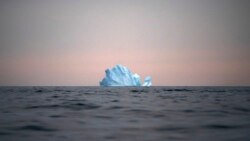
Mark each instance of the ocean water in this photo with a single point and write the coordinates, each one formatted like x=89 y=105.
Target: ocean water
x=124 y=113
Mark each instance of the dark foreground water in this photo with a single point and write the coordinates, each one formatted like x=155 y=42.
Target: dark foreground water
x=124 y=113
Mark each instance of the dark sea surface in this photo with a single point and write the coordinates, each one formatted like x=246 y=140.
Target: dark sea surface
x=124 y=113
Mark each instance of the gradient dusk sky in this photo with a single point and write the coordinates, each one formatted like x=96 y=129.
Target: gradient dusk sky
x=177 y=42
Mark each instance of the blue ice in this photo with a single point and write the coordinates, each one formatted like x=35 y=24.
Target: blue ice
x=122 y=76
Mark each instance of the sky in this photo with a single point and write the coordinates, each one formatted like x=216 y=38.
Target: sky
x=176 y=42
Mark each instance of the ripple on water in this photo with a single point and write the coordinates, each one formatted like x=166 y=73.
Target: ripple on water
x=4 y=133
x=178 y=90
x=35 y=128
x=57 y=116
x=129 y=113
x=73 y=106
x=221 y=126
x=170 y=128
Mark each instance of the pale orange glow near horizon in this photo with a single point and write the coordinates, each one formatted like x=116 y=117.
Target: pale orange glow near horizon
x=85 y=68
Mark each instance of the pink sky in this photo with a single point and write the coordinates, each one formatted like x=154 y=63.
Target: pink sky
x=87 y=68
x=176 y=42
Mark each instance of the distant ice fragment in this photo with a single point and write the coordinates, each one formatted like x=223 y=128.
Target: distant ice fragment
x=122 y=76
x=147 y=81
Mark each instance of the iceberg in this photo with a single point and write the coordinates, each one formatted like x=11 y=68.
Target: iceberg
x=122 y=76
